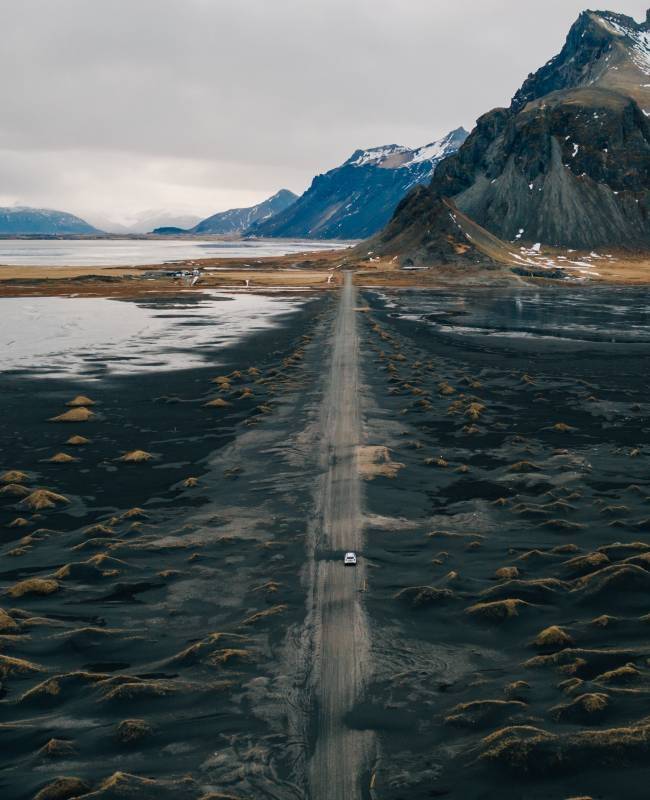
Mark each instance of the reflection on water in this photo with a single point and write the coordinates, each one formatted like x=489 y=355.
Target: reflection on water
x=90 y=337
x=547 y=316
x=133 y=252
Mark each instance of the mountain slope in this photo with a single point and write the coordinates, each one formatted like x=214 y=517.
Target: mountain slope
x=24 y=221
x=240 y=219
x=357 y=198
x=568 y=163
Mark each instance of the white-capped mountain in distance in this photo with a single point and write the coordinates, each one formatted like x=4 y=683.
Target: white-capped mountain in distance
x=357 y=198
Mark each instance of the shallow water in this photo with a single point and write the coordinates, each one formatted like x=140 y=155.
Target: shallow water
x=133 y=252
x=92 y=337
x=552 y=318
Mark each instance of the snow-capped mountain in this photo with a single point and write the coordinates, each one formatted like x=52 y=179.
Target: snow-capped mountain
x=25 y=221
x=239 y=219
x=357 y=198
x=568 y=163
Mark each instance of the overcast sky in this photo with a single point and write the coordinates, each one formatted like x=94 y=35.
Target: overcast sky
x=111 y=107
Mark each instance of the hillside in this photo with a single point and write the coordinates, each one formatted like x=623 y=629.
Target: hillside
x=24 y=221
x=240 y=219
x=357 y=198
x=568 y=163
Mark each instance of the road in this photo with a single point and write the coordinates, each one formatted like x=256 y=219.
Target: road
x=340 y=761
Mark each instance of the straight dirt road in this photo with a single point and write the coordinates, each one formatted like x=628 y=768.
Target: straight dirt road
x=340 y=764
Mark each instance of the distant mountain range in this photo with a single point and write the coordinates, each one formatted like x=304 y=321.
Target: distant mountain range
x=357 y=198
x=238 y=220
x=146 y=221
x=567 y=164
x=21 y=220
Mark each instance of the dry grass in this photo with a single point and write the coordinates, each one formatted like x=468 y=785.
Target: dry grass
x=506 y=573
x=136 y=457
x=581 y=565
x=474 y=411
x=14 y=490
x=40 y=499
x=10 y=667
x=553 y=636
x=218 y=402
x=80 y=401
x=626 y=674
x=35 y=586
x=262 y=615
x=78 y=441
x=523 y=466
x=62 y=458
x=422 y=596
x=18 y=522
x=81 y=414
x=57 y=748
x=583 y=708
x=480 y=713
x=7 y=623
x=132 y=730
x=497 y=611
x=134 y=513
x=13 y=476
x=62 y=789
x=222 y=658
x=531 y=750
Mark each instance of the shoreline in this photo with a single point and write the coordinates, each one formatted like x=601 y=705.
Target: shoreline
x=321 y=270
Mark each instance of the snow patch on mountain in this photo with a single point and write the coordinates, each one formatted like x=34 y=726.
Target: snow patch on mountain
x=638 y=39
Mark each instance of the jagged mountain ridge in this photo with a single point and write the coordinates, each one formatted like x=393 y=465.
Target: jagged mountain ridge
x=568 y=163
x=357 y=198
x=237 y=220
x=26 y=221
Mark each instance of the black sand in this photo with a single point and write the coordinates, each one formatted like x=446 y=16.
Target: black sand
x=160 y=662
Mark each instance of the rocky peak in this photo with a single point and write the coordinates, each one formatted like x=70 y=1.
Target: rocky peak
x=579 y=63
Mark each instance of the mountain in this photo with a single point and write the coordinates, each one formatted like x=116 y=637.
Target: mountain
x=357 y=198
x=568 y=163
x=145 y=221
x=240 y=219
x=24 y=221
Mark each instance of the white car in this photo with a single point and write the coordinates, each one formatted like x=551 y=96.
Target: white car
x=350 y=559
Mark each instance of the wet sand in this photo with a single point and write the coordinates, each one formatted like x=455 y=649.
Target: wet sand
x=177 y=620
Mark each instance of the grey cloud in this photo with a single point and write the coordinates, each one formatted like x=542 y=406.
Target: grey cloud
x=202 y=104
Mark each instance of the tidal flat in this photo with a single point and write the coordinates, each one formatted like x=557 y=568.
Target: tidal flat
x=158 y=543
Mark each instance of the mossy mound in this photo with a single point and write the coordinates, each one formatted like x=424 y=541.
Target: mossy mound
x=80 y=401
x=482 y=713
x=63 y=788
x=74 y=415
x=14 y=476
x=539 y=590
x=14 y=490
x=554 y=636
x=532 y=751
x=586 y=709
x=136 y=457
x=423 y=596
x=33 y=586
x=218 y=402
x=132 y=730
x=498 y=610
x=62 y=458
x=78 y=441
x=506 y=573
x=10 y=667
x=40 y=499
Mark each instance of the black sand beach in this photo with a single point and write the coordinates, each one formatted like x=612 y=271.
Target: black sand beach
x=156 y=631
